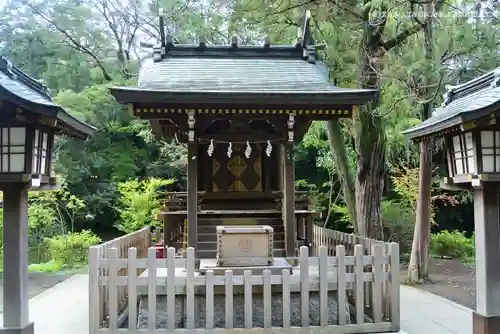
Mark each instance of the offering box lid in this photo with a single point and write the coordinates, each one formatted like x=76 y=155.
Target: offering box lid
x=245 y=229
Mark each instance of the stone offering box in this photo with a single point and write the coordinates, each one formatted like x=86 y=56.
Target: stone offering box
x=243 y=246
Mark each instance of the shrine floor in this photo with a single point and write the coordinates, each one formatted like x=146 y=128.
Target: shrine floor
x=64 y=309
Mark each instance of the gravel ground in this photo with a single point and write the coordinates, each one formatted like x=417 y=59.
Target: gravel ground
x=37 y=283
x=451 y=279
x=239 y=311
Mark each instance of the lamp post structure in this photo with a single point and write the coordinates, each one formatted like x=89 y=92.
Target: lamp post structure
x=469 y=124
x=29 y=120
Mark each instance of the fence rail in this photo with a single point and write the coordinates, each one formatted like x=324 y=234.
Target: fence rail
x=319 y=275
x=331 y=239
x=140 y=240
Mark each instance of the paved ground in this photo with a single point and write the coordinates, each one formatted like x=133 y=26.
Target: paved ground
x=426 y=313
x=451 y=279
x=421 y=311
x=62 y=309
x=37 y=283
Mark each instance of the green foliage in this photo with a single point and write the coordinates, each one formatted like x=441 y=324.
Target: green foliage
x=139 y=203
x=452 y=244
x=45 y=267
x=41 y=222
x=71 y=249
x=398 y=221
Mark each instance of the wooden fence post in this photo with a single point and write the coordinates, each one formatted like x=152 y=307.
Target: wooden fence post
x=304 y=285
x=151 y=289
x=132 y=288
x=94 y=300
x=341 y=285
x=377 y=253
x=395 y=301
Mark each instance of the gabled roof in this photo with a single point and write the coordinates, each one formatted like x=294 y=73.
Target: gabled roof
x=188 y=70
x=235 y=73
x=465 y=102
x=30 y=94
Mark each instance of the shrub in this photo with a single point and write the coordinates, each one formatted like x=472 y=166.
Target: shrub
x=139 y=203
x=71 y=249
x=453 y=244
x=398 y=222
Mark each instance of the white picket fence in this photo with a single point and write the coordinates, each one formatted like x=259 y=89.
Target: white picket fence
x=321 y=274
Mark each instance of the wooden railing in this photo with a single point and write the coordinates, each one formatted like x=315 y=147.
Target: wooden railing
x=140 y=240
x=331 y=239
x=177 y=201
x=320 y=275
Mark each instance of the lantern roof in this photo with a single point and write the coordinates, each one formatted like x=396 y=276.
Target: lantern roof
x=469 y=101
x=29 y=94
x=205 y=73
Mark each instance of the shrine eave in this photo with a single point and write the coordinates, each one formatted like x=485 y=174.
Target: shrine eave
x=472 y=104
x=335 y=96
x=470 y=111
x=30 y=96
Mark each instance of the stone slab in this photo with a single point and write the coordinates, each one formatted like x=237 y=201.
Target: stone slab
x=276 y=267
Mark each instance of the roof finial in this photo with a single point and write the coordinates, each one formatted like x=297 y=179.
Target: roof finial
x=203 y=42
x=170 y=41
x=447 y=96
x=162 y=26
x=300 y=38
x=234 y=41
x=306 y=29
x=267 y=42
x=496 y=78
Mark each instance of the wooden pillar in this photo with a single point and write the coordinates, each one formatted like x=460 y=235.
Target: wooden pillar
x=192 y=194
x=289 y=201
x=192 y=186
x=486 y=318
x=280 y=160
x=289 y=192
x=15 y=260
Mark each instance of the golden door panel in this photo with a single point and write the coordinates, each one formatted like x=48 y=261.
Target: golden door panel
x=236 y=173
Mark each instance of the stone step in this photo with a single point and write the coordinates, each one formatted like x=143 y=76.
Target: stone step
x=212 y=245
x=212 y=254
x=202 y=237
x=204 y=229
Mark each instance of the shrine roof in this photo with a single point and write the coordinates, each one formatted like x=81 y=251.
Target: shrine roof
x=30 y=94
x=463 y=103
x=208 y=72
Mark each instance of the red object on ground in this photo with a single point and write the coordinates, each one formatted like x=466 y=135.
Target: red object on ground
x=160 y=254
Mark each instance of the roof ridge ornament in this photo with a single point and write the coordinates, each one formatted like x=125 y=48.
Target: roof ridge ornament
x=159 y=50
x=161 y=14
x=16 y=74
x=448 y=95
x=496 y=78
x=267 y=42
x=304 y=47
x=307 y=39
x=234 y=41
x=488 y=80
x=7 y=65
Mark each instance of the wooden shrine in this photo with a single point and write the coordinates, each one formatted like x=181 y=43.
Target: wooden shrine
x=240 y=109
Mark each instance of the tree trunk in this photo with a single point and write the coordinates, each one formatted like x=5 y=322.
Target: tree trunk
x=370 y=140
x=370 y=175
x=419 y=258
x=338 y=147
